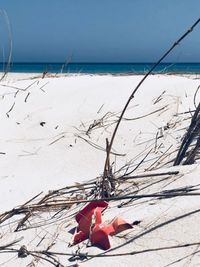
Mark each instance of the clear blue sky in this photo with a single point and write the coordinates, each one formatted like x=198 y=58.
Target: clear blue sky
x=100 y=30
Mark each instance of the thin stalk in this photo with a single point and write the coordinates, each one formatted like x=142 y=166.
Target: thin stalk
x=135 y=90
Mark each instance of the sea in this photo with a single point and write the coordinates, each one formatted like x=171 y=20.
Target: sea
x=103 y=68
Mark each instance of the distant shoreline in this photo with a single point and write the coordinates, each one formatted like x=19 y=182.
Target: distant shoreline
x=103 y=68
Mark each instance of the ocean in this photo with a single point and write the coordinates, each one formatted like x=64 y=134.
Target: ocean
x=103 y=68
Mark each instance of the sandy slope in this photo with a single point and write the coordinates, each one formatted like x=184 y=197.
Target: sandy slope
x=53 y=133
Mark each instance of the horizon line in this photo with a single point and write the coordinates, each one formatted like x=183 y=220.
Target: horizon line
x=57 y=62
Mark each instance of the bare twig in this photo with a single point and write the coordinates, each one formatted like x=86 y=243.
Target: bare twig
x=25 y=100
x=7 y=113
x=135 y=90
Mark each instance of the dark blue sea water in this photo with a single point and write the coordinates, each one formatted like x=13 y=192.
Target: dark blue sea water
x=98 y=68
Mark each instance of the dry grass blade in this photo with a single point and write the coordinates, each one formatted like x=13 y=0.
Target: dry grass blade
x=190 y=137
x=8 y=61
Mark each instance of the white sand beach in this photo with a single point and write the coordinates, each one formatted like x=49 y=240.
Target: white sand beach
x=53 y=134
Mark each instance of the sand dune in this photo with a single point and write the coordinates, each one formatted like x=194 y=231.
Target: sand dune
x=53 y=133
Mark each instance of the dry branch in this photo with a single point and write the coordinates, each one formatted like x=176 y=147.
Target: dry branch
x=135 y=90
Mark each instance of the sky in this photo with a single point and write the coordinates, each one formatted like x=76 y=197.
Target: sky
x=99 y=30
